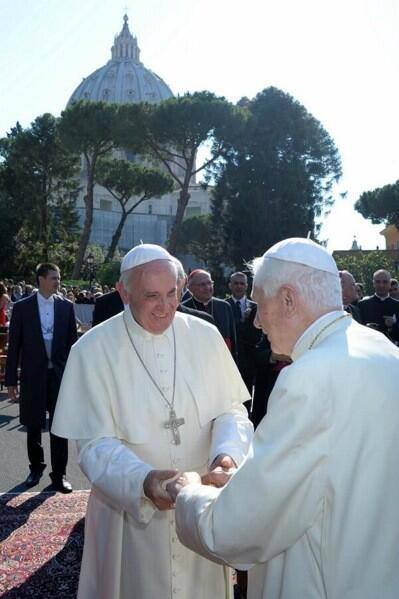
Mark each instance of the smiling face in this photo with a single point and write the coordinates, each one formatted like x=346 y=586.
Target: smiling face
x=152 y=295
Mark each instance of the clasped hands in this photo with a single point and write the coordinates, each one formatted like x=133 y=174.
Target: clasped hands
x=163 y=486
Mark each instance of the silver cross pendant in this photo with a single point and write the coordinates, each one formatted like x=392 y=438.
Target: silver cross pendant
x=173 y=424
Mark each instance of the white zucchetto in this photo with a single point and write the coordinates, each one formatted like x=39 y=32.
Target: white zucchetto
x=303 y=251
x=141 y=254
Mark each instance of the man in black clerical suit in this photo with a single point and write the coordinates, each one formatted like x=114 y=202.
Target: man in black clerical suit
x=349 y=294
x=42 y=332
x=107 y=306
x=380 y=309
x=200 y=285
x=244 y=312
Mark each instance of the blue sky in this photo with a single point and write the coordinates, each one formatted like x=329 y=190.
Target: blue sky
x=340 y=59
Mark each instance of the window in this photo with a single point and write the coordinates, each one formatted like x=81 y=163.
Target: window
x=106 y=205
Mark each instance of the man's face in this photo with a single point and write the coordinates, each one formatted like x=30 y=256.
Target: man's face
x=394 y=290
x=201 y=286
x=349 y=291
x=238 y=286
x=50 y=283
x=153 y=295
x=269 y=317
x=381 y=283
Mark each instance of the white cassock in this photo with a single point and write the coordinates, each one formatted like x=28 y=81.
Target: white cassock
x=320 y=484
x=108 y=402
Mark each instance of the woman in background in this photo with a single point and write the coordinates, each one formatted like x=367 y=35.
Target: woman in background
x=4 y=300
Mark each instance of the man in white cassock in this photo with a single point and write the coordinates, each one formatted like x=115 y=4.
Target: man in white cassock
x=146 y=394
x=320 y=483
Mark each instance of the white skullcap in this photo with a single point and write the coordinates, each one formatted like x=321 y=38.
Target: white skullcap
x=141 y=254
x=303 y=251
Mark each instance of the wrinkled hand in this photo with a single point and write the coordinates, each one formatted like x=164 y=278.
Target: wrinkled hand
x=12 y=394
x=154 y=489
x=186 y=478
x=220 y=471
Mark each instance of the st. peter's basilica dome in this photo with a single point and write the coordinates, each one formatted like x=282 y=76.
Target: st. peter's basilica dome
x=124 y=78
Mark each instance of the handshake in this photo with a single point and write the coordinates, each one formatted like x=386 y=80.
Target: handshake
x=163 y=486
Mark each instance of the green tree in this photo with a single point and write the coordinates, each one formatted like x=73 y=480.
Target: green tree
x=278 y=180
x=124 y=180
x=89 y=129
x=362 y=265
x=38 y=183
x=172 y=132
x=195 y=237
x=380 y=205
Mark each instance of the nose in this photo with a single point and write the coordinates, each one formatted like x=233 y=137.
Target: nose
x=257 y=324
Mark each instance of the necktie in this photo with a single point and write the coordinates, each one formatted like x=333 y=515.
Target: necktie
x=237 y=311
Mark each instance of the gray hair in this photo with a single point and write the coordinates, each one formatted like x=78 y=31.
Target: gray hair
x=319 y=289
x=382 y=271
x=180 y=269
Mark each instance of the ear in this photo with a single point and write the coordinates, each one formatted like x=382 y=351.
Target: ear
x=122 y=292
x=289 y=299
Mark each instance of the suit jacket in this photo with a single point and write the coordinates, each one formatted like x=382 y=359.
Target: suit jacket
x=354 y=310
x=26 y=346
x=222 y=314
x=247 y=338
x=107 y=306
x=373 y=309
x=197 y=313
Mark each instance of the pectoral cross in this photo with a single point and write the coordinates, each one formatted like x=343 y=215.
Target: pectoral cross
x=173 y=423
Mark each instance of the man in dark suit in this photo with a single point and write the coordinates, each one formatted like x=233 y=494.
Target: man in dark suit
x=42 y=332
x=200 y=285
x=349 y=294
x=380 y=309
x=244 y=311
x=107 y=306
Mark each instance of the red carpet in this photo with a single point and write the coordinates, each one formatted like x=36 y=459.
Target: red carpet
x=41 y=536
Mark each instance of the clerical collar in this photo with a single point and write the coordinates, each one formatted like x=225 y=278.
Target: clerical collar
x=136 y=329
x=382 y=299
x=327 y=322
x=202 y=303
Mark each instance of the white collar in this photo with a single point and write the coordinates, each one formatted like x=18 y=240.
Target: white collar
x=327 y=322
x=243 y=300
x=45 y=300
x=382 y=299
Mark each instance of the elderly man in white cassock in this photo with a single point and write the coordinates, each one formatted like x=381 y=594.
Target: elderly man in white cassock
x=148 y=393
x=320 y=483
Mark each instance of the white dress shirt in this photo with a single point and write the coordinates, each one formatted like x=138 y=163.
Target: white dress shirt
x=46 y=312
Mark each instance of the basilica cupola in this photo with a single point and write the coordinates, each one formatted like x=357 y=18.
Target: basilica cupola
x=125 y=45
x=124 y=78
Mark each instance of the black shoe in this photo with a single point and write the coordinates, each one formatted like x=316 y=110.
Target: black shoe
x=61 y=485
x=33 y=478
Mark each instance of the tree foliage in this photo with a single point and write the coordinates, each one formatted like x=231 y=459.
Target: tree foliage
x=89 y=129
x=172 y=132
x=130 y=184
x=380 y=205
x=277 y=181
x=195 y=237
x=38 y=189
x=362 y=265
